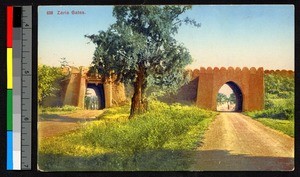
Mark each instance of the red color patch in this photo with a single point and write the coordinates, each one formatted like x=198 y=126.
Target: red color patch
x=9 y=26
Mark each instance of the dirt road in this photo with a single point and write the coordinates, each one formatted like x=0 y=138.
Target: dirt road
x=237 y=142
x=53 y=124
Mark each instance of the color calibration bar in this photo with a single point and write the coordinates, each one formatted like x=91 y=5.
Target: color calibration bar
x=18 y=111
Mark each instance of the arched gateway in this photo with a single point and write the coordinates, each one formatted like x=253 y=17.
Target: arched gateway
x=77 y=82
x=247 y=85
x=238 y=95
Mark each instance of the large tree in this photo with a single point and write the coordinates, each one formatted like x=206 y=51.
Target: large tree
x=140 y=48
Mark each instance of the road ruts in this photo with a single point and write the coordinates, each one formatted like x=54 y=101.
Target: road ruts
x=236 y=142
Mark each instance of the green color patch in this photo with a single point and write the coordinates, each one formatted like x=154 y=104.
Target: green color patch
x=9 y=109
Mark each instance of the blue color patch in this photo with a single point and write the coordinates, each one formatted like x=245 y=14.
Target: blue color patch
x=9 y=162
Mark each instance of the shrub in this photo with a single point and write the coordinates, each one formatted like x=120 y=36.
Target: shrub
x=277 y=109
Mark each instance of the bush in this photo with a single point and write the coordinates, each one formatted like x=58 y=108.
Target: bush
x=277 y=109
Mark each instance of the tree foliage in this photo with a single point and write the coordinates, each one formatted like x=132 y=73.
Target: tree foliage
x=277 y=86
x=279 y=97
x=221 y=98
x=140 y=48
x=47 y=77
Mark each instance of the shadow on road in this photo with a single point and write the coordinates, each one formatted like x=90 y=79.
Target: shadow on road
x=165 y=160
x=62 y=118
x=220 y=160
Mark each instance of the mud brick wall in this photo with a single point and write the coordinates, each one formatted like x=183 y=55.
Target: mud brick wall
x=250 y=82
x=75 y=87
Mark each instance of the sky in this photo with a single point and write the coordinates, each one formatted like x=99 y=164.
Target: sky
x=230 y=35
x=225 y=89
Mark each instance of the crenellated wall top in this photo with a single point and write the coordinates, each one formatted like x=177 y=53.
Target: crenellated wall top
x=210 y=70
x=289 y=73
x=252 y=70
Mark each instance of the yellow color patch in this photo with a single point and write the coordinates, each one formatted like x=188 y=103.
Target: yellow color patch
x=9 y=68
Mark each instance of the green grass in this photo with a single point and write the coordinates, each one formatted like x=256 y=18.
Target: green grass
x=58 y=110
x=156 y=140
x=54 y=112
x=116 y=114
x=284 y=126
x=278 y=115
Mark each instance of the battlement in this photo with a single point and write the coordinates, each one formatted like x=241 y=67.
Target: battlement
x=209 y=70
x=196 y=72
x=193 y=73
x=288 y=73
x=252 y=70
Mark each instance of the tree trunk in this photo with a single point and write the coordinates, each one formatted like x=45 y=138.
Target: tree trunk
x=137 y=102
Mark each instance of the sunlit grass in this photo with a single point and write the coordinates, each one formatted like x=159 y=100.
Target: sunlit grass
x=284 y=126
x=162 y=133
x=278 y=115
x=116 y=114
x=69 y=145
x=58 y=110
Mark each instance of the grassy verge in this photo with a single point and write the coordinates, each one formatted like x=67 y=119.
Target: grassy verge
x=58 y=110
x=53 y=112
x=156 y=140
x=284 y=126
x=279 y=116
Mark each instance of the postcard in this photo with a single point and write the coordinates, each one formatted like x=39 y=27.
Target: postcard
x=166 y=88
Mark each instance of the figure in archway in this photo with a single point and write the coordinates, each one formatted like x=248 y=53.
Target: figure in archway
x=230 y=98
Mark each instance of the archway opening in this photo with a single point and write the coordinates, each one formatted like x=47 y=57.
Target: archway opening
x=94 y=97
x=230 y=98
